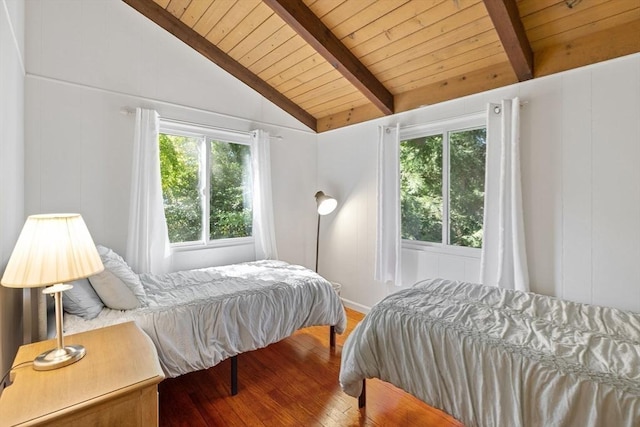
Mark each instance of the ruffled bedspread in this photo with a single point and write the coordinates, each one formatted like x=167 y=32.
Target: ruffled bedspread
x=198 y=318
x=495 y=357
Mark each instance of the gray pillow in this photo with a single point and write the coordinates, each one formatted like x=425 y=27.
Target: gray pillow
x=82 y=300
x=113 y=292
x=118 y=266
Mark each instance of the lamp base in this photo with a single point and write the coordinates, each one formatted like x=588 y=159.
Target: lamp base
x=58 y=357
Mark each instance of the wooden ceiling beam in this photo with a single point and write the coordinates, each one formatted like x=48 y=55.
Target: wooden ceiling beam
x=299 y=17
x=506 y=19
x=173 y=25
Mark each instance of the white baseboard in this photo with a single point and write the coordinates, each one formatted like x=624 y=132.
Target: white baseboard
x=355 y=306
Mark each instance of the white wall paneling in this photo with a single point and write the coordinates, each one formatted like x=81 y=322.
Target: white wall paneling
x=86 y=61
x=107 y=44
x=615 y=123
x=541 y=162
x=420 y=264
x=293 y=170
x=347 y=171
x=581 y=189
x=84 y=147
x=577 y=221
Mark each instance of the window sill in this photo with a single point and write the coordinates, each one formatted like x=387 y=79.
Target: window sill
x=215 y=244
x=441 y=249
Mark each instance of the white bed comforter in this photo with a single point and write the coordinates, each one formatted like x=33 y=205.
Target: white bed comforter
x=494 y=357
x=198 y=318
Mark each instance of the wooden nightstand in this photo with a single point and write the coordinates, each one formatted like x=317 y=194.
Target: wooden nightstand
x=115 y=384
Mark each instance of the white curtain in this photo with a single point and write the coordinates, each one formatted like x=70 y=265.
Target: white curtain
x=388 y=239
x=148 y=240
x=504 y=258
x=263 y=222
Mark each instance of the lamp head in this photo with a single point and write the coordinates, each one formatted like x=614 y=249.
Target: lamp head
x=326 y=204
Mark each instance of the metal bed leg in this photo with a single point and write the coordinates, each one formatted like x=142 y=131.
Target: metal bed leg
x=362 y=399
x=332 y=336
x=234 y=375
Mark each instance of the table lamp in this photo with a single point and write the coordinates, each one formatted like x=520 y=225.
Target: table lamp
x=53 y=249
x=326 y=205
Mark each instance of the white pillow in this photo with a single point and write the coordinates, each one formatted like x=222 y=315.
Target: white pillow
x=82 y=300
x=113 y=292
x=118 y=266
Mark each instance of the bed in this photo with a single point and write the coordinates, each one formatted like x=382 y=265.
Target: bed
x=495 y=357
x=198 y=318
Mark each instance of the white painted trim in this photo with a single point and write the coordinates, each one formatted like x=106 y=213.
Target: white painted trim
x=196 y=129
x=254 y=123
x=355 y=306
x=466 y=121
x=446 y=190
x=218 y=243
x=437 y=248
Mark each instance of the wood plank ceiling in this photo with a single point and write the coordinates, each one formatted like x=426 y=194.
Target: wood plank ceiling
x=331 y=63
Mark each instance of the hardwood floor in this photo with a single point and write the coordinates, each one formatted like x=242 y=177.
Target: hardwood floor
x=291 y=383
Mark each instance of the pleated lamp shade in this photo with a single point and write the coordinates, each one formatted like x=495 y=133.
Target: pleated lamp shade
x=52 y=249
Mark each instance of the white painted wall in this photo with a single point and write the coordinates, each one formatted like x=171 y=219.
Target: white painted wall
x=86 y=60
x=581 y=130
x=581 y=190
x=11 y=168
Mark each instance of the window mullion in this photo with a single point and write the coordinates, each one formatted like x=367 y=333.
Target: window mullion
x=445 y=188
x=205 y=188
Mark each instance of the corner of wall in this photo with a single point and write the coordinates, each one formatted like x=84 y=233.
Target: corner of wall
x=12 y=82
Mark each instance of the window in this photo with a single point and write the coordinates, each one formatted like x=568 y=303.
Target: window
x=206 y=183
x=442 y=183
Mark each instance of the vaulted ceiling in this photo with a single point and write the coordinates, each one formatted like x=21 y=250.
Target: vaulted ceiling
x=331 y=63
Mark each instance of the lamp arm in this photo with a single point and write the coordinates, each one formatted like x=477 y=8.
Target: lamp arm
x=318 y=243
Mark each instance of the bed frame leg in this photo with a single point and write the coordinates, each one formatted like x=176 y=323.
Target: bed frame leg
x=332 y=336
x=234 y=375
x=362 y=399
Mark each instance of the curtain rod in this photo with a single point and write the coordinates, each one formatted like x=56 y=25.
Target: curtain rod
x=523 y=103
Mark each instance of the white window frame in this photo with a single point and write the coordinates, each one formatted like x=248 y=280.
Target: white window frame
x=206 y=134
x=444 y=127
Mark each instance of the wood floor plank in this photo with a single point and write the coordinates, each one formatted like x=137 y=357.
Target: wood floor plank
x=290 y=383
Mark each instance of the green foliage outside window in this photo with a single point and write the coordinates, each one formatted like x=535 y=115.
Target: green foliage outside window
x=421 y=186
x=229 y=204
x=230 y=210
x=466 y=195
x=179 y=170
